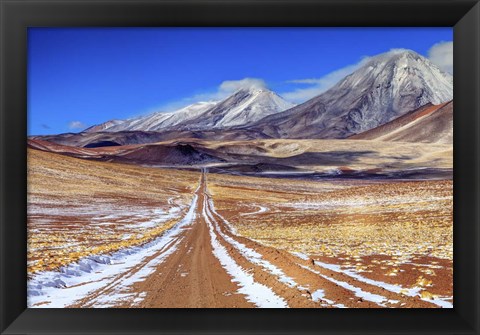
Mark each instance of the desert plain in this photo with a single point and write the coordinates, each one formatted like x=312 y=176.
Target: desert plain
x=117 y=234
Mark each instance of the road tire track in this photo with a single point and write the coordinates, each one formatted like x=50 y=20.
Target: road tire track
x=206 y=264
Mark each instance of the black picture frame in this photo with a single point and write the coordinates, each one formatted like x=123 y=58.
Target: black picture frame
x=18 y=15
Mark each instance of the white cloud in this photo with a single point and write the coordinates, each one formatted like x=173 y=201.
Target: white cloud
x=225 y=89
x=230 y=86
x=441 y=54
x=76 y=125
x=319 y=85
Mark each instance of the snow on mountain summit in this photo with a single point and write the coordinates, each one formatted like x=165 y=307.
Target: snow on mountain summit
x=243 y=107
x=408 y=73
x=385 y=87
x=163 y=120
x=262 y=102
x=103 y=126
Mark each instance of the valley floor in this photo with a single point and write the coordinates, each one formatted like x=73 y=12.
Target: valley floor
x=229 y=241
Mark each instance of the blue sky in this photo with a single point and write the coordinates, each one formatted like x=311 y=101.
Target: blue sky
x=78 y=77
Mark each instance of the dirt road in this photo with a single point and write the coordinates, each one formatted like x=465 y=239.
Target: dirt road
x=205 y=264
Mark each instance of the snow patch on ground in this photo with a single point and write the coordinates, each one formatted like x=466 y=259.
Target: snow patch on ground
x=159 y=216
x=260 y=210
x=361 y=202
x=301 y=255
x=254 y=257
x=378 y=299
x=259 y=294
x=230 y=227
x=318 y=295
x=113 y=273
x=411 y=292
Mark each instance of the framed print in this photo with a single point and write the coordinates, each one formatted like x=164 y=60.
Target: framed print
x=239 y=167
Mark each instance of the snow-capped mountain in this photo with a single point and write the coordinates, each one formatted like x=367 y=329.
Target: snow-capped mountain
x=103 y=126
x=159 y=120
x=242 y=108
x=384 y=88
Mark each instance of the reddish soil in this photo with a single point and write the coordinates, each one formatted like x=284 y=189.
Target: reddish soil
x=192 y=276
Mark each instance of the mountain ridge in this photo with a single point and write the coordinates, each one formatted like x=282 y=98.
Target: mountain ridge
x=243 y=107
x=384 y=88
x=427 y=124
